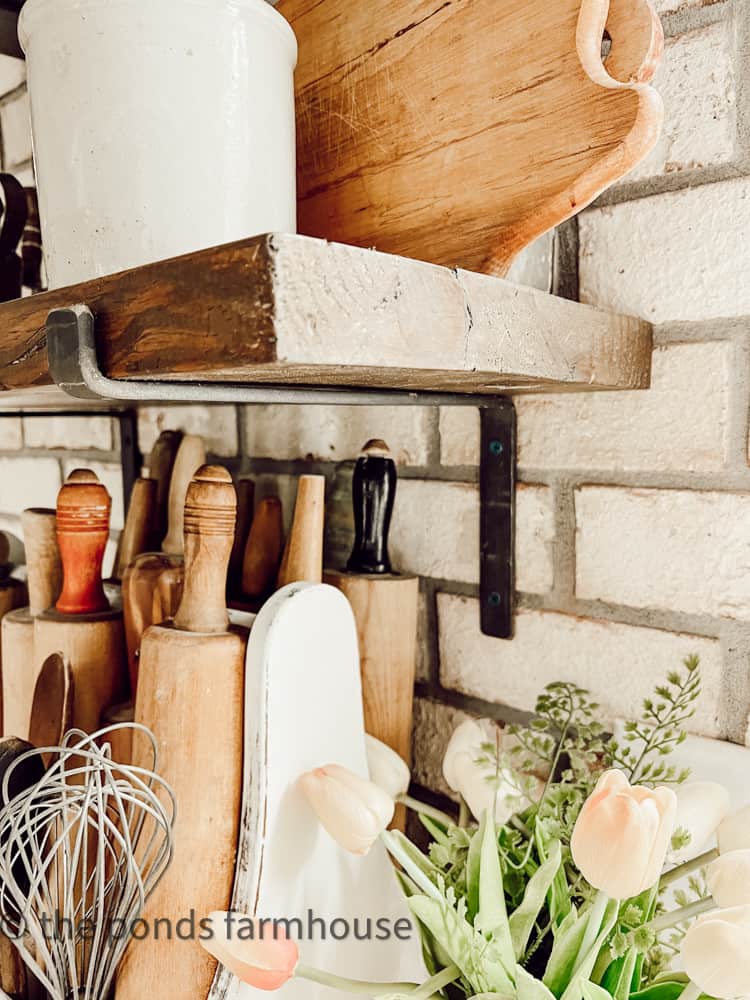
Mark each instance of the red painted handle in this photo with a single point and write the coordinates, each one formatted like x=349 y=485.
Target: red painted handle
x=83 y=508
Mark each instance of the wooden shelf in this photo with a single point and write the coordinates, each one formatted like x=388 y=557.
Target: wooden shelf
x=282 y=309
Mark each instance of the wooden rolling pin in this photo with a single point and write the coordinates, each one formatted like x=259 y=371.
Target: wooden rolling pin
x=263 y=552
x=139 y=525
x=303 y=556
x=190 y=694
x=44 y=578
x=385 y=605
x=190 y=456
x=160 y=466
x=245 y=510
x=83 y=627
x=138 y=586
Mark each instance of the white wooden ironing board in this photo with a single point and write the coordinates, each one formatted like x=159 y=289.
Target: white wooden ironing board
x=303 y=703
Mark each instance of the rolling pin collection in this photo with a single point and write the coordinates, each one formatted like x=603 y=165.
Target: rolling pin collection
x=157 y=646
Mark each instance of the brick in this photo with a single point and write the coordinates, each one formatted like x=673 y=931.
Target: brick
x=680 y=424
x=696 y=81
x=217 y=425
x=12 y=74
x=15 y=121
x=445 y=545
x=337 y=433
x=459 y=435
x=433 y=725
x=619 y=664
x=110 y=475
x=69 y=433
x=671 y=256
x=672 y=6
x=671 y=549
x=11 y=434
x=28 y=482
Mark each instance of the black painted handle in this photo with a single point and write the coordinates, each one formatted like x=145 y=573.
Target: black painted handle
x=373 y=495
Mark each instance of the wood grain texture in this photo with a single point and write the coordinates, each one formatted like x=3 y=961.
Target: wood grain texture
x=138 y=586
x=291 y=309
x=459 y=131
x=160 y=465
x=190 y=456
x=245 y=510
x=52 y=705
x=83 y=510
x=139 y=524
x=43 y=564
x=264 y=548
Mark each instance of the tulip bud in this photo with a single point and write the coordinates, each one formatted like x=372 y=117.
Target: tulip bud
x=622 y=835
x=387 y=770
x=352 y=809
x=716 y=953
x=256 y=952
x=472 y=771
x=701 y=807
x=734 y=832
x=728 y=879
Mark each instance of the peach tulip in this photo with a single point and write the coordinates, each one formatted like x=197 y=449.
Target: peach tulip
x=257 y=953
x=353 y=810
x=728 y=879
x=622 y=835
x=716 y=953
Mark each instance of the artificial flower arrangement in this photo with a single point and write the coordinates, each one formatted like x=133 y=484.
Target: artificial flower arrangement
x=567 y=886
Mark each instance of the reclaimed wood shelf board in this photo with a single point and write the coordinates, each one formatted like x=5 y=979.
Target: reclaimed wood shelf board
x=283 y=309
x=457 y=131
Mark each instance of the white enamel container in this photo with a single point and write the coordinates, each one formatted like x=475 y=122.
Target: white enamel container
x=160 y=127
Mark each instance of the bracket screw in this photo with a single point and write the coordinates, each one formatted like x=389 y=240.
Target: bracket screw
x=494 y=600
x=496 y=447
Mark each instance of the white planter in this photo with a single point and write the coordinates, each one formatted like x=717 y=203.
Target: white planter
x=160 y=127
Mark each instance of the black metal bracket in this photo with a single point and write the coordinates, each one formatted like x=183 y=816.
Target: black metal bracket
x=73 y=364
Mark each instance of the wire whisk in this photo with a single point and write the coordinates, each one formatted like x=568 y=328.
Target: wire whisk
x=80 y=853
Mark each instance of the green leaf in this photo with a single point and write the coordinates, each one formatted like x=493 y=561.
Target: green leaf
x=478 y=959
x=523 y=919
x=529 y=988
x=661 y=991
x=492 y=918
x=583 y=972
x=417 y=866
x=565 y=950
x=590 y=991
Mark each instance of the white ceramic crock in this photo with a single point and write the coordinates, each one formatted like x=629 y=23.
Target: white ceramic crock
x=160 y=127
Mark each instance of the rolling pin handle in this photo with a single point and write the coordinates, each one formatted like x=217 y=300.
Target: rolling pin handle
x=373 y=496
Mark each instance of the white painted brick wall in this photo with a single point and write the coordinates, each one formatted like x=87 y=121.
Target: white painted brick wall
x=337 y=433
x=28 y=482
x=672 y=549
x=681 y=424
x=216 y=424
x=436 y=533
x=696 y=81
x=671 y=6
x=11 y=434
x=674 y=256
x=619 y=664
x=70 y=433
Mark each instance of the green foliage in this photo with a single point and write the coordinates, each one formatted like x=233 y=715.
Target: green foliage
x=508 y=905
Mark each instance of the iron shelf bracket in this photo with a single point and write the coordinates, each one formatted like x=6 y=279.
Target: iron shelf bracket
x=74 y=367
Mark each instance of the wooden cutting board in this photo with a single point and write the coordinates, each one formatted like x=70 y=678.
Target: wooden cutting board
x=303 y=708
x=457 y=131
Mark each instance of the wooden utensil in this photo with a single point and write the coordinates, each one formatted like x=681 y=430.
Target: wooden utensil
x=263 y=550
x=52 y=706
x=245 y=510
x=138 y=585
x=139 y=524
x=540 y=122
x=13 y=979
x=190 y=457
x=385 y=605
x=190 y=694
x=167 y=594
x=303 y=555
x=83 y=627
x=160 y=466
x=44 y=579
x=121 y=740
